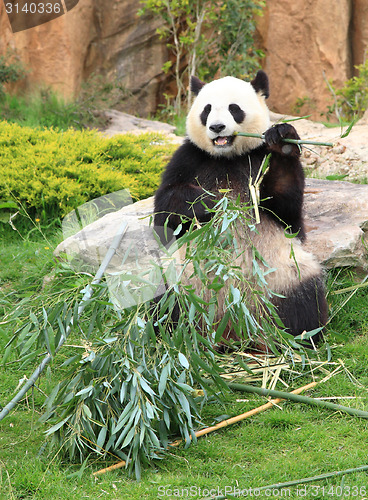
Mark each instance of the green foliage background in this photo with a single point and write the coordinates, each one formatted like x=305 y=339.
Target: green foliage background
x=52 y=173
x=206 y=39
x=352 y=98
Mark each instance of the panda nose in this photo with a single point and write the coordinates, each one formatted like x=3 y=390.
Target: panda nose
x=217 y=127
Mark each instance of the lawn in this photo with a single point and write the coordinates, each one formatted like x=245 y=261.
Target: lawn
x=288 y=442
x=291 y=441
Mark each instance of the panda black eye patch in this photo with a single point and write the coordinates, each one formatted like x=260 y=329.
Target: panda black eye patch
x=204 y=115
x=237 y=113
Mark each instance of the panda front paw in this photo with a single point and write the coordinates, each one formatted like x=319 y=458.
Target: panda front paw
x=274 y=138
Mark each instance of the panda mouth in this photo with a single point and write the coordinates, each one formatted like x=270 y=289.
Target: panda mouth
x=222 y=141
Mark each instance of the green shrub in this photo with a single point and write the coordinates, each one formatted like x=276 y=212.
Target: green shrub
x=11 y=69
x=352 y=99
x=52 y=173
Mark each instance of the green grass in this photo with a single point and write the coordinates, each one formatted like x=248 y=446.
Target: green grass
x=276 y=446
x=42 y=109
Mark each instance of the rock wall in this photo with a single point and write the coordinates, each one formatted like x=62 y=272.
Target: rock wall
x=307 y=41
x=302 y=39
x=95 y=36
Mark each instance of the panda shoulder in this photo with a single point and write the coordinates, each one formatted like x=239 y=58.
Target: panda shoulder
x=188 y=150
x=187 y=158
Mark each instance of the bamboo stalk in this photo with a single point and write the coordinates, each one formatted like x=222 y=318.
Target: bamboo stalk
x=299 y=399
x=291 y=141
x=119 y=465
x=243 y=416
x=304 y=480
x=220 y=425
x=87 y=295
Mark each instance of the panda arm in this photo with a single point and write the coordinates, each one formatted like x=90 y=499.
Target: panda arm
x=179 y=194
x=282 y=188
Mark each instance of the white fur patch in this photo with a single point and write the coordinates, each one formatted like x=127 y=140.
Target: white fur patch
x=289 y=262
x=220 y=94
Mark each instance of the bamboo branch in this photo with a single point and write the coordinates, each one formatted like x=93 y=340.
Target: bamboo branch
x=304 y=480
x=243 y=416
x=291 y=141
x=299 y=399
x=119 y=465
x=87 y=295
x=220 y=425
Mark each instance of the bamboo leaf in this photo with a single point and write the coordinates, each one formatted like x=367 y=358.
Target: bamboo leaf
x=349 y=129
x=57 y=426
x=123 y=418
x=146 y=387
x=308 y=335
x=8 y=204
x=87 y=390
x=50 y=340
x=183 y=360
x=150 y=410
x=7 y=353
x=101 y=438
x=128 y=437
x=163 y=379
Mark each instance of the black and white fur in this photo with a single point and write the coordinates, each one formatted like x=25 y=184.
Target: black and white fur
x=212 y=158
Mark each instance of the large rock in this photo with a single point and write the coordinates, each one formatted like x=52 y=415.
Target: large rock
x=94 y=37
x=359 y=31
x=307 y=43
x=336 y=218
x=119 y=123
x=337 y=222
x=92 y=243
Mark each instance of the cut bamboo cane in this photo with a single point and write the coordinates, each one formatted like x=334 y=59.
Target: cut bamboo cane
x=218 y=426
x=290 y=141
x=243 y=416
x=299 y=399
x=119 y=465
x=296 y=482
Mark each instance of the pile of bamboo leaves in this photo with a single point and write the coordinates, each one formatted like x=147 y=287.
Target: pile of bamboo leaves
x=133 y=382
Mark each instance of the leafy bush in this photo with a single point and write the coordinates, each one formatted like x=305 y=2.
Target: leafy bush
x=11 y=69
x=234 y=52
x=202 y=33
x=52 y=173
x=352 y=99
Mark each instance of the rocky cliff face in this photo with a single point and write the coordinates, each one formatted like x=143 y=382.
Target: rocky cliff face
x=303 y=40
x=95 y=36
x=307 y=42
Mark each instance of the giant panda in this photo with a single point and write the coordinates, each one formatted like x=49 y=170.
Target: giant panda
x=213 y=158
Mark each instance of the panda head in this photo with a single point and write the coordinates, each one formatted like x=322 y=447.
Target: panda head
x=224 y=107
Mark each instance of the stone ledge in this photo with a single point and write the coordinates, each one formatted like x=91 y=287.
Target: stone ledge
x=336 y=219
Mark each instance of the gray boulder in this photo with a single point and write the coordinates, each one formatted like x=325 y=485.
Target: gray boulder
x=336 y=220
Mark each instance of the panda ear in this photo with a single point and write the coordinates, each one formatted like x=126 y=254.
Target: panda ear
x=196 y=84
x=260 y=84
